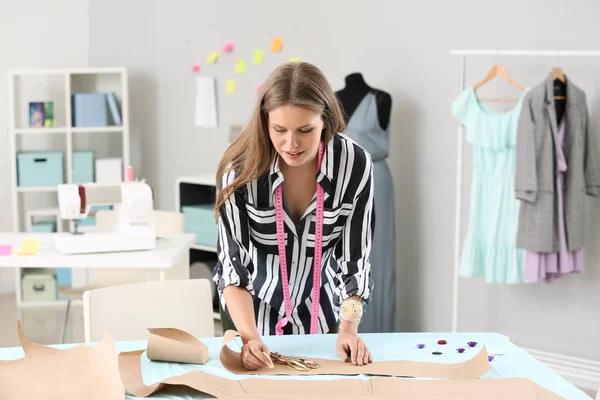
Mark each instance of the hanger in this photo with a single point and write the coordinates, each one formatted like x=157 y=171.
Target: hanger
x=500 y=71
x=557 y=73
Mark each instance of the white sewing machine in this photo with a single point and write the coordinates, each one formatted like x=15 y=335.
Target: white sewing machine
x=134 y=219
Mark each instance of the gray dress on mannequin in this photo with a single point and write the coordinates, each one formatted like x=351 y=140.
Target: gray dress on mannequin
x=364 y=128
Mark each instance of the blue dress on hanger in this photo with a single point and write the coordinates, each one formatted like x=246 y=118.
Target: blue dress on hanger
x=364 y=128
x=489 y=250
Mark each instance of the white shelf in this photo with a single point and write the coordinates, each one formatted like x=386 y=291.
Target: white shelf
x=211 y=249
x=100 y=129
x=74 y=80
x=216 y=316
x=40 y=131
x=205 y=179
x=37 y=189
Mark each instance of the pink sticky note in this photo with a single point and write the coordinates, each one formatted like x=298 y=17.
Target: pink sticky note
x=5 y=249
x=259 y=88
x=196 y=67
x=228 y=47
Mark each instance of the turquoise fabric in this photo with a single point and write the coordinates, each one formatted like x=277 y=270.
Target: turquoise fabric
x=514 y=363
x=489 y=249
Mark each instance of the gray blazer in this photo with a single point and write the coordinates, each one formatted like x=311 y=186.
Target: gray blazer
x=536 y=168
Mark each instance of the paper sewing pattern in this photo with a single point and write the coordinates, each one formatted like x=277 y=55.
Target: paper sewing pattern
x=206 y=102
x=230 y=86
x=257 y=57
x=240 y=67
x=469 y=369
x=213 y=57
x=175 y=345
x=29 y=247
x=80 y=372
x=276 y=44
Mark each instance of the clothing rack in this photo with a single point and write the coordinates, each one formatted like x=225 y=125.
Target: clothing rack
x=459 y=150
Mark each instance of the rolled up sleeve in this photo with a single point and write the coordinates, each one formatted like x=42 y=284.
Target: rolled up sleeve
x=234 y=264
x=354 y=249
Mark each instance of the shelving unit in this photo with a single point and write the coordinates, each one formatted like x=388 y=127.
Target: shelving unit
x=195 y=190
x=58 y=86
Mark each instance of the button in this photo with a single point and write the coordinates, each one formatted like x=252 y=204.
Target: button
x=460 y=350
x=442 y=341
x=472 y=344
x=490 y=358
x=437 y=353
x=420 y=346
x=233 y=259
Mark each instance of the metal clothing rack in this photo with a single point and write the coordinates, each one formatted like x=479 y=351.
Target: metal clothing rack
x=459 y=150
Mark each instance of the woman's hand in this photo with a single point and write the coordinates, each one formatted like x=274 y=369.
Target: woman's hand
x=256 y=355
x=349 y=344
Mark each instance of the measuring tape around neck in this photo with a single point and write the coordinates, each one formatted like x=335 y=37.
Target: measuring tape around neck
x=314 y=321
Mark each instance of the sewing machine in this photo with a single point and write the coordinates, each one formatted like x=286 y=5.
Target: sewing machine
x=133 y=206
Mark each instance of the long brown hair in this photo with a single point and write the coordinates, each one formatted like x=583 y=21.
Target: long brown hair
x=251 y=153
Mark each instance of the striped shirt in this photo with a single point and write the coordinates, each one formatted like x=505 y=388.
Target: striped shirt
x=247 y=245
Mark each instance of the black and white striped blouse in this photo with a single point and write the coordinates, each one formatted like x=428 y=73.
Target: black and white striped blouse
x=248 y=252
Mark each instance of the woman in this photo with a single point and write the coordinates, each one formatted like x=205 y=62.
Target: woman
x=290 y=175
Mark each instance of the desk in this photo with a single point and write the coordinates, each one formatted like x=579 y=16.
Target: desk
x=167 y=253
x=388 y=346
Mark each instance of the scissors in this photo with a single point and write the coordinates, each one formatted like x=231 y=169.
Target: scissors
x=300 y=364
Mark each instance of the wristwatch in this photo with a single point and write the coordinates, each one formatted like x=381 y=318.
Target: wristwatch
x=352 y=309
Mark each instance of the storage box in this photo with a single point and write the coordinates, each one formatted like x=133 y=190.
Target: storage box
x=109 y=170
x=43 y=168
x=38 y=286
x=90 y=110
x=200 y=219
x=44 y=227
x=83 y=167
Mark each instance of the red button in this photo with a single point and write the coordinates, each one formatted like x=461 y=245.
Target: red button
x=442 y=341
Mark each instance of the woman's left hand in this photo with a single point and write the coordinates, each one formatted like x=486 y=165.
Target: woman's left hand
x=349 y=344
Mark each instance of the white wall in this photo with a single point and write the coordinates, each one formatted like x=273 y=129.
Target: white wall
x=401 y=47
x=35 y=34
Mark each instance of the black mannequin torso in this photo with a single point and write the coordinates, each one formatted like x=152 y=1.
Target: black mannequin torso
x=355 y=91
x=560 y=89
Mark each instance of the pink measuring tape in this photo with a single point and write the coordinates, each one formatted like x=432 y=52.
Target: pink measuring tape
x=314 y=320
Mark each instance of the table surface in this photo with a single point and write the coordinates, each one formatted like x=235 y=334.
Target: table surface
x=167 y=253
x=387 y=346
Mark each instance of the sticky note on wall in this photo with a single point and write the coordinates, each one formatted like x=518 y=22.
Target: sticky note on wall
x=258 y=57
x=230 y=86
x=276 y=44
x=240 y=67
x=294 y=59
x=213 y=57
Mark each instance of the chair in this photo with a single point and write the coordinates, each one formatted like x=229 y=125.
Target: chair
x=166 y=223
x=127 y=311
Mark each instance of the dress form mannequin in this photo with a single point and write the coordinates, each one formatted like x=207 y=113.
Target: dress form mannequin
x=367 y=111
x=356 y=89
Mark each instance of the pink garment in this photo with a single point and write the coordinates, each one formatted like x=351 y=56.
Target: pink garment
x=546 y=267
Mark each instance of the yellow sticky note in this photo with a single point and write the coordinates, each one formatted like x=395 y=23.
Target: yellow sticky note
x=258 y=57
x=276 y=44
x=29 y=247
x=240 y=67
x=230 y=86
x=213 y=57
x=294 y=59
